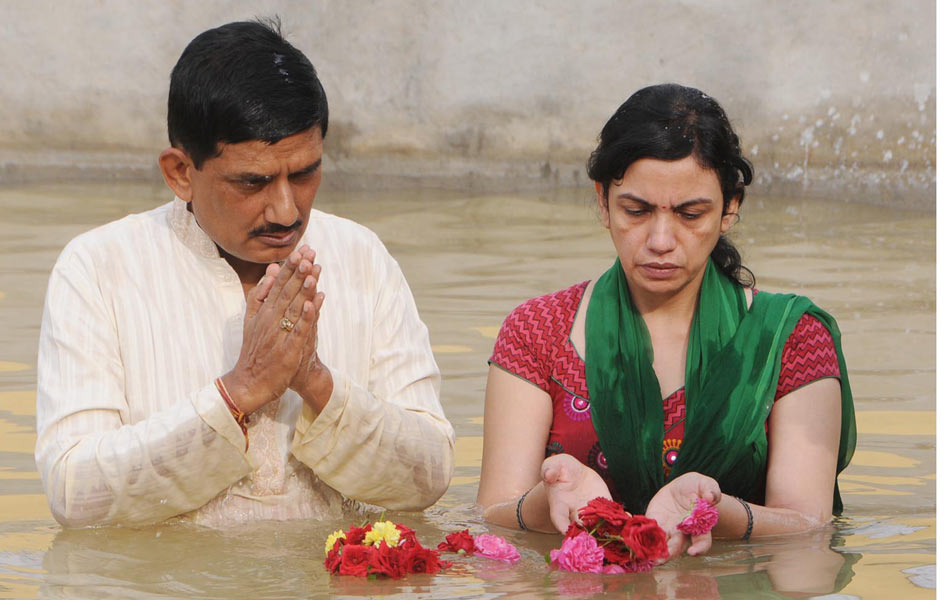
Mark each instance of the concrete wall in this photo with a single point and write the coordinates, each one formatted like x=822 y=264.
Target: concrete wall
x=835 y=96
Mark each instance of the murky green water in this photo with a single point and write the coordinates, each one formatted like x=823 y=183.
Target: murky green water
x=470 y=260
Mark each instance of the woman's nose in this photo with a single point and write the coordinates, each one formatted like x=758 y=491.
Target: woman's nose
x=661 y=238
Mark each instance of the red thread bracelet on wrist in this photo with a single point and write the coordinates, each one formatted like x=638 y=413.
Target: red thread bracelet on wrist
x=236 y=412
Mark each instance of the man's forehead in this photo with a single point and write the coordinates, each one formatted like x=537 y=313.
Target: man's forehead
x=300 y=150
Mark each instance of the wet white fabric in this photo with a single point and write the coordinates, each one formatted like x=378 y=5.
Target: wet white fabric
x=142 y=315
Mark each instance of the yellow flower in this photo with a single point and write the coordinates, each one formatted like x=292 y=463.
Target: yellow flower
x=382 y=530
x=332 y=538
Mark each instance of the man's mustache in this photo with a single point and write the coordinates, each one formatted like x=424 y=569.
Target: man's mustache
x=276 y=228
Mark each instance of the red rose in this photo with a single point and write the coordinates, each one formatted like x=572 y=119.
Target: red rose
x=386 y=561
x=645 y=538
x=418 y=559
x=356 y=559
x=356 y=534
x=407 y=536
x=332 y=563
x=602 y=508
x=460 y=540
x=573 y=529
x=616 y=553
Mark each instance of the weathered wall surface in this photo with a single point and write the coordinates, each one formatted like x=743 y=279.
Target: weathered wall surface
x=835 y=96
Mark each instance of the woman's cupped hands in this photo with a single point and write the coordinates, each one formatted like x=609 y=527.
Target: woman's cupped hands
x=570 y=485
x=674 y=501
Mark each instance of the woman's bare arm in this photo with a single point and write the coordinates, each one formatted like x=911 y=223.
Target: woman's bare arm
x=804 y=431
x=517 y=424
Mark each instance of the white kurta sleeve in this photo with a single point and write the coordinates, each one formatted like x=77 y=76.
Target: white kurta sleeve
x=387 y=443
x=98 y=467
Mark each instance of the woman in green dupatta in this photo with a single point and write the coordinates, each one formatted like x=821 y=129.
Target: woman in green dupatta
x=675 y=314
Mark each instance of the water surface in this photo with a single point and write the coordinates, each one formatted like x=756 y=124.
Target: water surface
x=470 y=260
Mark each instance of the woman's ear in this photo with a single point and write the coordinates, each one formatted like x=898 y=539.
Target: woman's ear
x=602 y=204
x=730 y=216
x=175 y=166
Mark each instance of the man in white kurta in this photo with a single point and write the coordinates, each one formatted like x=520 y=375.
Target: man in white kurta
x=234 y=355
x=142 y=314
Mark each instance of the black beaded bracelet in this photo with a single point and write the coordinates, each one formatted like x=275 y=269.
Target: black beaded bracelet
x=518 y=511
x=748 y=512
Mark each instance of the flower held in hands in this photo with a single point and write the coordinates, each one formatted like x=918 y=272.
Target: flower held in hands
x=702 y=519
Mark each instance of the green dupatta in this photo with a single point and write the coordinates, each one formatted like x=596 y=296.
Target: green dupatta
x=732 y=366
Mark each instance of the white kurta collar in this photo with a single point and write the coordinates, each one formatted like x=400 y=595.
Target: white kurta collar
x=185 y=226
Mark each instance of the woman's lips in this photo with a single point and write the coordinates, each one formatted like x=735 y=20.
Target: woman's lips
x=660 y=270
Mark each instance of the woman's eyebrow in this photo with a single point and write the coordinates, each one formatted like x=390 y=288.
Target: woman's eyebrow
x=684 y=204
x=692 y=202
x=629 y=196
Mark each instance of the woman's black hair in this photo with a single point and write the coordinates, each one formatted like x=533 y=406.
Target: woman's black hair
x=670 y=122
x=238 y=82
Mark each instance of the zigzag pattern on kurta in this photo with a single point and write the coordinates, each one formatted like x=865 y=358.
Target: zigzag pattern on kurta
x=541 y=327
x=809 y=355
x=674 y=408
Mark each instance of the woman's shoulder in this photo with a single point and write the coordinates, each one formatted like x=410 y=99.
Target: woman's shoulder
x=544 y=322
x=809 y=355
x=536 y=333
x=808 y=326
x=549 y=310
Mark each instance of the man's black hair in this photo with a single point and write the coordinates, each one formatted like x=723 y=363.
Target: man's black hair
x=238 y=82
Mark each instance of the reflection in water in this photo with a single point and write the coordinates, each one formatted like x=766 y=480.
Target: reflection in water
x=285 y=560
x=470 y=260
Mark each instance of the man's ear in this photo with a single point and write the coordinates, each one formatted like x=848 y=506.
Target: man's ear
x=602 y=204
x=730 y=216
x=176 y=169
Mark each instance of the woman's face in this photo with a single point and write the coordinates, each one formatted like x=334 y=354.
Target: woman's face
x=664 y=218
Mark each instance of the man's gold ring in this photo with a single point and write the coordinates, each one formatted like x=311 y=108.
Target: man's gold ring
x=286 y=324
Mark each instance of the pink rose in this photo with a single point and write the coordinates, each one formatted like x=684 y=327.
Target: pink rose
x=496 y=548
x=580 y=554
x=613 y=570
x=703 y=518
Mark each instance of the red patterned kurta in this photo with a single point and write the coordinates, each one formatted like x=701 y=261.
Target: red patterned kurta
x=534 y=344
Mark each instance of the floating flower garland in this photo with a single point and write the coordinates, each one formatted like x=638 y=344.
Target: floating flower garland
x=383 y=549
x=607 y=540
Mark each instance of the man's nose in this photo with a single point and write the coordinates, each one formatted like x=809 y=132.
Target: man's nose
x=281 y=208
x=661 y=238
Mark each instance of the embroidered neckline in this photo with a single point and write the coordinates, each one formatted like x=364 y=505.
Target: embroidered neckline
x=185 y=226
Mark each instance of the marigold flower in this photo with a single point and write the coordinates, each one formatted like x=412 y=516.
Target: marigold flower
x=382 y=530
x=332 y=538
